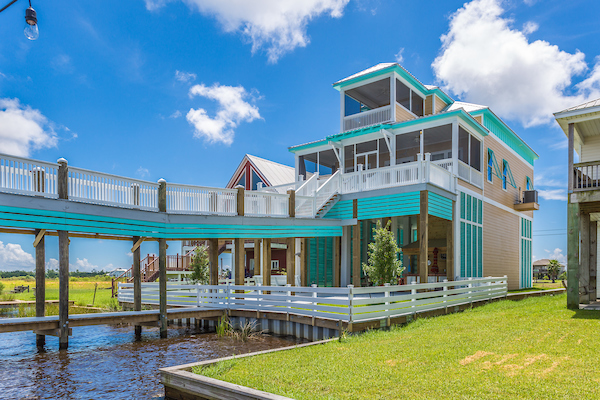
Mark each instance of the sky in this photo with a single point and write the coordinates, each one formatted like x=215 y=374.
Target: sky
x=182 y=89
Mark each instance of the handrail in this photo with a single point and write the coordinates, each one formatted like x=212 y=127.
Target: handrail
x=327 y=190
x=266 y=204
x=202 y=200
x=307 y=184
x=26 y=176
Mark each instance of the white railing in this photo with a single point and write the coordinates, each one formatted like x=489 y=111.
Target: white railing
x=470 y=174
x=446 y=163
x=281 y=188
x=309 y=187
x=305 y=197
x=441 y=177
x=327 y=190
x=367 y=118
x=347 y=304
x=266 y=204
x=98 y=188
x=24 y=176
x=187 y=199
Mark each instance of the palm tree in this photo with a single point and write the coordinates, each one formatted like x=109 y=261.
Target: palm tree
x=553 y=269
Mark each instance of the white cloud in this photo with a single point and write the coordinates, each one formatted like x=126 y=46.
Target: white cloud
x=185 y=77
x=82 y=265
x=279 y=26
x=232 y=110
x=483 y=59
x=52 y=264
x=558 y=255
x=399 y=57
x=12 y=257
x=553 y=194
x=176 y=114
x=23 y=129
x=530 y=27
x=142 y=172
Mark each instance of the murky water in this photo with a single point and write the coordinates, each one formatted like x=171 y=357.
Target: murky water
x=104 y=362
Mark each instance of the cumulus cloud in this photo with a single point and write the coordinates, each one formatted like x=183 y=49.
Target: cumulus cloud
x=553 y=194
x=52 y=264
x=24 y=129
x=232 y=109
x=484 y=59
x=185 y=77
x=176 y=114
x=13 y=257
x=142 y=172
x=399 y=57
x=557 y=254
x=279 y=26
x=551 y=184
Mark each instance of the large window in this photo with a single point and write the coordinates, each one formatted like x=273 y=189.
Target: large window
x=324 y=162
x=409 y=99
x=438 y=142
x=367 y=97
x=469 y=149
x=408 y=146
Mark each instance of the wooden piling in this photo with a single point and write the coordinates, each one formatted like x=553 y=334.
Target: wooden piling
x=267 y=262
x=40 y=281
x=137 y=283
x=337 y=261
x=450 y=246
x=239 y=262
x=257 y=266
x=162 y=285
x=290 y=261
x=424 y=236
x=213 y=261
x=304 y=262
x=63 y=289
x=573 y=255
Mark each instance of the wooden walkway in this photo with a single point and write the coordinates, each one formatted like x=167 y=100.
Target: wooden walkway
x=111 y=318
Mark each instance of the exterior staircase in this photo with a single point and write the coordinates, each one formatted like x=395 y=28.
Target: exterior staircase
x=328 y=205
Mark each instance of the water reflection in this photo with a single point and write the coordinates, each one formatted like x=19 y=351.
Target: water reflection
x=104 y=362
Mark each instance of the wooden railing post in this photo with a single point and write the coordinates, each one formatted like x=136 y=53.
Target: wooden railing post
x=63 y=179
x=162 y=285
x=137 y=283
x=292 y=202
x=40 y=281
x=240 y=200
x=162 y=195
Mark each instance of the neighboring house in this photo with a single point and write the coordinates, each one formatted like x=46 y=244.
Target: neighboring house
x=116 y=272
x=254 y=172
x=581 y=124
x=540 y=268
x=450 y=174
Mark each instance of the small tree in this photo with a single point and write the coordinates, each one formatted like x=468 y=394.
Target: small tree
x=383 y=265
x=553 y=269
x=199 y=265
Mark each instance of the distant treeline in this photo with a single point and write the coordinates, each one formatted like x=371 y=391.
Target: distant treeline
x=51 y=274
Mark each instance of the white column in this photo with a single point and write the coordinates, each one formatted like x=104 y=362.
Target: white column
x=342 y=109
x=455 y=148
x=232 y=261
x=393 y=98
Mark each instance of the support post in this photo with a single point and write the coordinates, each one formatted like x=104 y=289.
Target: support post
x=337 y=262
x=571 y=145
x=356 y=255
x=213 y=260
x=584 y=261
x=450 y=246
x=137 y=285
x=424 y=237
x=63 y=289
x=593 y=260
x=162 y=285
x=292 y=202
x=240 y=199
x=40 y=282
x=304 y=261
x=238 y=263
x=346 y=260
x=257 y=266
x=266 y=244
x=290 y=261
x=573 y=256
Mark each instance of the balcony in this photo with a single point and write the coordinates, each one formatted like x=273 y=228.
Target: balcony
x=529 y=202
x=586 y=176
x=368 y=118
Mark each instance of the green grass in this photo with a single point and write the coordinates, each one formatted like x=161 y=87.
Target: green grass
x=80 y=291
x=530 y=349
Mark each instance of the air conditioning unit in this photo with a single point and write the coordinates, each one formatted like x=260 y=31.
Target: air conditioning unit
x=530 y=196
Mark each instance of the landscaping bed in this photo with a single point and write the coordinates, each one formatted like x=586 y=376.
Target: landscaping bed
x=534 y=348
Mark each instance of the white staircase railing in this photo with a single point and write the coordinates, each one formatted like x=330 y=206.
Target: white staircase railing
x=327 y=190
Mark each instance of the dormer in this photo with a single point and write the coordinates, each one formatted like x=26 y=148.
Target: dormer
x=386 y=93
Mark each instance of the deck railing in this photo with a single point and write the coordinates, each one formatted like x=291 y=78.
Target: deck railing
x=586 y=176
x=368 y=118
x=347 y=304
x=266 y=204
x=98 y=188
x=25 y=176
x=470 y=174
x=188 y=199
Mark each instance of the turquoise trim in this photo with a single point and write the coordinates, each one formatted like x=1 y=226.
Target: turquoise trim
x=439 y=206
x=394 y=205
x=341 y=210
x=507 y=135
x=494 y=162
x=404 y=74
x=511 y=179
x=53 y=220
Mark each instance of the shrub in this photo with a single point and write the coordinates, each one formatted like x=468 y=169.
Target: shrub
x=384 y=265
x=563 y=276
x=553 y=269
x=199 y=265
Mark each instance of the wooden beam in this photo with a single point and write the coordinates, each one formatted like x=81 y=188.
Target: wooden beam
x=240 y=200
x=292 y=202
x=304 y=261
x=450 y=229
x=571 y=142
x=137 y=243
x=162 y=285
x=39 y=236
x=356 y=255
x=337 y=261
x=290 y=261
x=162 y=195
x=63 y=289
x=40 y=282
x=137 y=281
x=257 y=266
x=266 y=243
x=593 y=260
x=213 y=259
x=52 y=332
x=424 y=236
x=62 y=179
x=584 y=261
x=573 y=256
x=239 y=262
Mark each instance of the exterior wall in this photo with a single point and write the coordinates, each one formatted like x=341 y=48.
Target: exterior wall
x=470 y=236
x=428 y=105
x=501 y=238
x=402 y=114
x=590 y=151
x=478 y=119
x=467 y=185
x=320 y=261
x=520 y=170
x=439 y=105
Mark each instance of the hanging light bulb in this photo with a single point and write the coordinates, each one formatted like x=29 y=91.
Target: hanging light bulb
x=31 y=28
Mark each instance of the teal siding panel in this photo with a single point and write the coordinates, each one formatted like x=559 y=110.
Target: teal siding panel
x=509 y=138
x=341 y=210
x=389 y=206
x=440 y=206
x=479 y=251
x=463 y=241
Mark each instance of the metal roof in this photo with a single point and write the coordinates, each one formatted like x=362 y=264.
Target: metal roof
x=468 y=107
x=582 y=106
x=275 y=173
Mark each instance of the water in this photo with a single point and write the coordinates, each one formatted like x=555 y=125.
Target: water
x=104 y=362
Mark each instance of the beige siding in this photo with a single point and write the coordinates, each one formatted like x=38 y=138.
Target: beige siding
x=501 y=244
x=402 y=114
x=590 y=151
x=439 y=105
x=429 y=105
x=520 y=170
x=469 y=186
x=478 y=119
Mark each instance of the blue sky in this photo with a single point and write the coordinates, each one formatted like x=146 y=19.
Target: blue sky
x=181 y=90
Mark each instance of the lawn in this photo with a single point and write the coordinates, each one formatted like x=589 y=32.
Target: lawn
x=81 y=292
x=534 y=348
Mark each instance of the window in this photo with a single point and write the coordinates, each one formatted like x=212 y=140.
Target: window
x=417 y=104
x=528 y=185
x=409 y=99
x=408 y=146
x=367 y=97
x=463 y=145
x=438 y=142
x=504 y=174
x=255 y=180
x=490 y=166
x=242 y=180
x=274 y=264
x=475 y=159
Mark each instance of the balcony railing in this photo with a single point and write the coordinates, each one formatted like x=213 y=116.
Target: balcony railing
x=586 y=176
x=470 y=174
x=368 y=118
x=265 y=204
